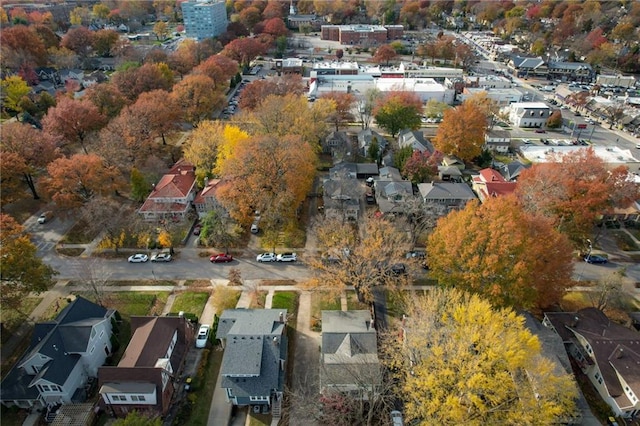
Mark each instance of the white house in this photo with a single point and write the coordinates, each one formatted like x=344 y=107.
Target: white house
x=529 y=114
x=497 y=140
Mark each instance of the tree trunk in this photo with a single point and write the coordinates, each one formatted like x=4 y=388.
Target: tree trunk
x=29 y=179
x=164 y=141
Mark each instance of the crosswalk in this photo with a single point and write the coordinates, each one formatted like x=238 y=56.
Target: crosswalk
x=43 y=246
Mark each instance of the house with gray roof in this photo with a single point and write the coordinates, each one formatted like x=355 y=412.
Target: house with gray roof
x=366 y=137
x=443 y=197
x=512 y=170
x=145 y=378
x=571 y=71
x=416 y=140
x=255 y=356
x=349 y=361
x=62 y=359
x=523 y=66
x=341 y=198
x=391 y=191
x=608 y=353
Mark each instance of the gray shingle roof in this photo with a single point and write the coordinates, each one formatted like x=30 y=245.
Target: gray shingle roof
x=446 y=191
x=255 y=343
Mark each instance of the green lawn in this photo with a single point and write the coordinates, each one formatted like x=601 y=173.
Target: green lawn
x=323 y=301
x=285 y=300
x=13 y=318
x=225 y=298
x=191 y=302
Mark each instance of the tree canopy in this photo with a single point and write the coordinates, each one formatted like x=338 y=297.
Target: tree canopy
x=22 y=270
x=574 y=191
x=462 y=130
x=498 y=250
x=462 y=361
x=397 y=111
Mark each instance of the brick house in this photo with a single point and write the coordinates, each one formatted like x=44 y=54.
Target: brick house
x=173 y=195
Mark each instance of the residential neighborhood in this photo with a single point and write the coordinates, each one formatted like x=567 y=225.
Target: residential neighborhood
x=309 y=213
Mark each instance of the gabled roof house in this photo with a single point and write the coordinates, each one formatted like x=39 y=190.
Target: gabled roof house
x=144 y=379
x=489 y=183
x=606 y=352
x=206 y=200
x=255 y=355
x=62 y=359
x=391 y=191
x=171 y=198
x=443 y=197
x=349 y=355
x=416 y=140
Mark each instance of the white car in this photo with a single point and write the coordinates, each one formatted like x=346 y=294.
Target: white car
x=138 y=258
x=287 y=257
x=203 y=336
x=161 y=257
x=266 y=257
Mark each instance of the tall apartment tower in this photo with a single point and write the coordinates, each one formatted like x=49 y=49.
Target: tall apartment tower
x=204 y=18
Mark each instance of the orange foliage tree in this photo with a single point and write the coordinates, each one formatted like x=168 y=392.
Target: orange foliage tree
x=574 y=191
x=73 y=120
x=75 y=180
x=343 y=104
x=384 y=54
x=500 y=251
x=462 y=130
x=266 y=173
x=197 y=97
x=258 y=90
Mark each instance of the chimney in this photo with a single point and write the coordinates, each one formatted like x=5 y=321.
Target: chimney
x=281 y=317
x=619 y=353
x=275 y=340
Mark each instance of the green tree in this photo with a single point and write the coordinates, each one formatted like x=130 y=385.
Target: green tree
x=374 y=150
x=161 y=30
x=401 y=156
x=22 y=271
x=216 y=229
x=398 y=111
x=14 y=88
x=462 y=361
x=496 y=249
x=140 y=188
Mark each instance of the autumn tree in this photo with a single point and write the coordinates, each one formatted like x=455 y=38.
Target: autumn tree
x=275 y=27
x=362 y=258
x=258 y=90
x=384 y=54
x=63 y=58
x=140 y=187
x=555 y=119
x=133 y=81
x=14 y=88
x=289 y=115
x=107 y=98
x=219 y=68
x=197 y=97
x=397 y=111
x=75 y=180
x=434 y=108
x=73 y=120
x=80 y=40
x=245 y=50
x=31 y=151
x=156 y=112
x=22 y=46
x=343 y=102
x=461 y=132
x=574 y=190
x=267 y=173
x=22 y=272
x=502 y=252
x=210 y=143
x=161 y=30
x=459 y=360
x=422 y=166
x=249 y=17
x=103 y=42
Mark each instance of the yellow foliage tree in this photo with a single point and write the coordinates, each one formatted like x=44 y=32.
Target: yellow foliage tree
x=461 y=132
x=164 y=239
x=462 y=361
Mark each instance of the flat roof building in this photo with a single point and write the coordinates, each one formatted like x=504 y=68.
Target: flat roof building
x=205 y=18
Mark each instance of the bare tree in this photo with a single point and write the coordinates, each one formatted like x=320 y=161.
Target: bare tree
x=614 y=114
x=108 y=217
x=607 y=289
x=93 y=277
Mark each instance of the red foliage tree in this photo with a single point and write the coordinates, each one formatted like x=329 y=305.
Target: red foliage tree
x=244 y=50
x=256 y=91
x=133 y=81
x=422 y=166
x=384 y=54
x=275 y=27
x=219 y=68
x=79 y=39
x=72 y=120
x=21 y=45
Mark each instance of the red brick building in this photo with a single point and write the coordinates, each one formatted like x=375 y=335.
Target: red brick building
x=358 y=35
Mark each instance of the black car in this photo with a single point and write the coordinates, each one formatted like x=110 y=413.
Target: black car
x=595 y=258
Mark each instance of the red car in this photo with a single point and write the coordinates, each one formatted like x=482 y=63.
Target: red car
x=541 y=131
x=221 y=258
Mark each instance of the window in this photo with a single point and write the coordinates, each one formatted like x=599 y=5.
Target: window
x=101 y=334
x=118 y=397
x=258 y=398
x=598 y=377
x=137 y=398
x=45 y=388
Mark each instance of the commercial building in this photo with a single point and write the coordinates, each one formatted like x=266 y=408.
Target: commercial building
x=204 y=19
x=361 y=35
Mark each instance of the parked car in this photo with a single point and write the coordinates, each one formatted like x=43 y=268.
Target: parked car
x=415 y=254
x=595 y=258
x=370 y=198
x=399 y=269
x=287 y=257
x=221 y=258
x=396 y=418
x=196 y=229
x=138 y=258
x=45 y=217
x=266 y=257
x=203 y=336
x=161 y=257
x=541 y=131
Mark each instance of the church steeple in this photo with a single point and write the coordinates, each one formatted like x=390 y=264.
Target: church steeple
x=292 y=8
